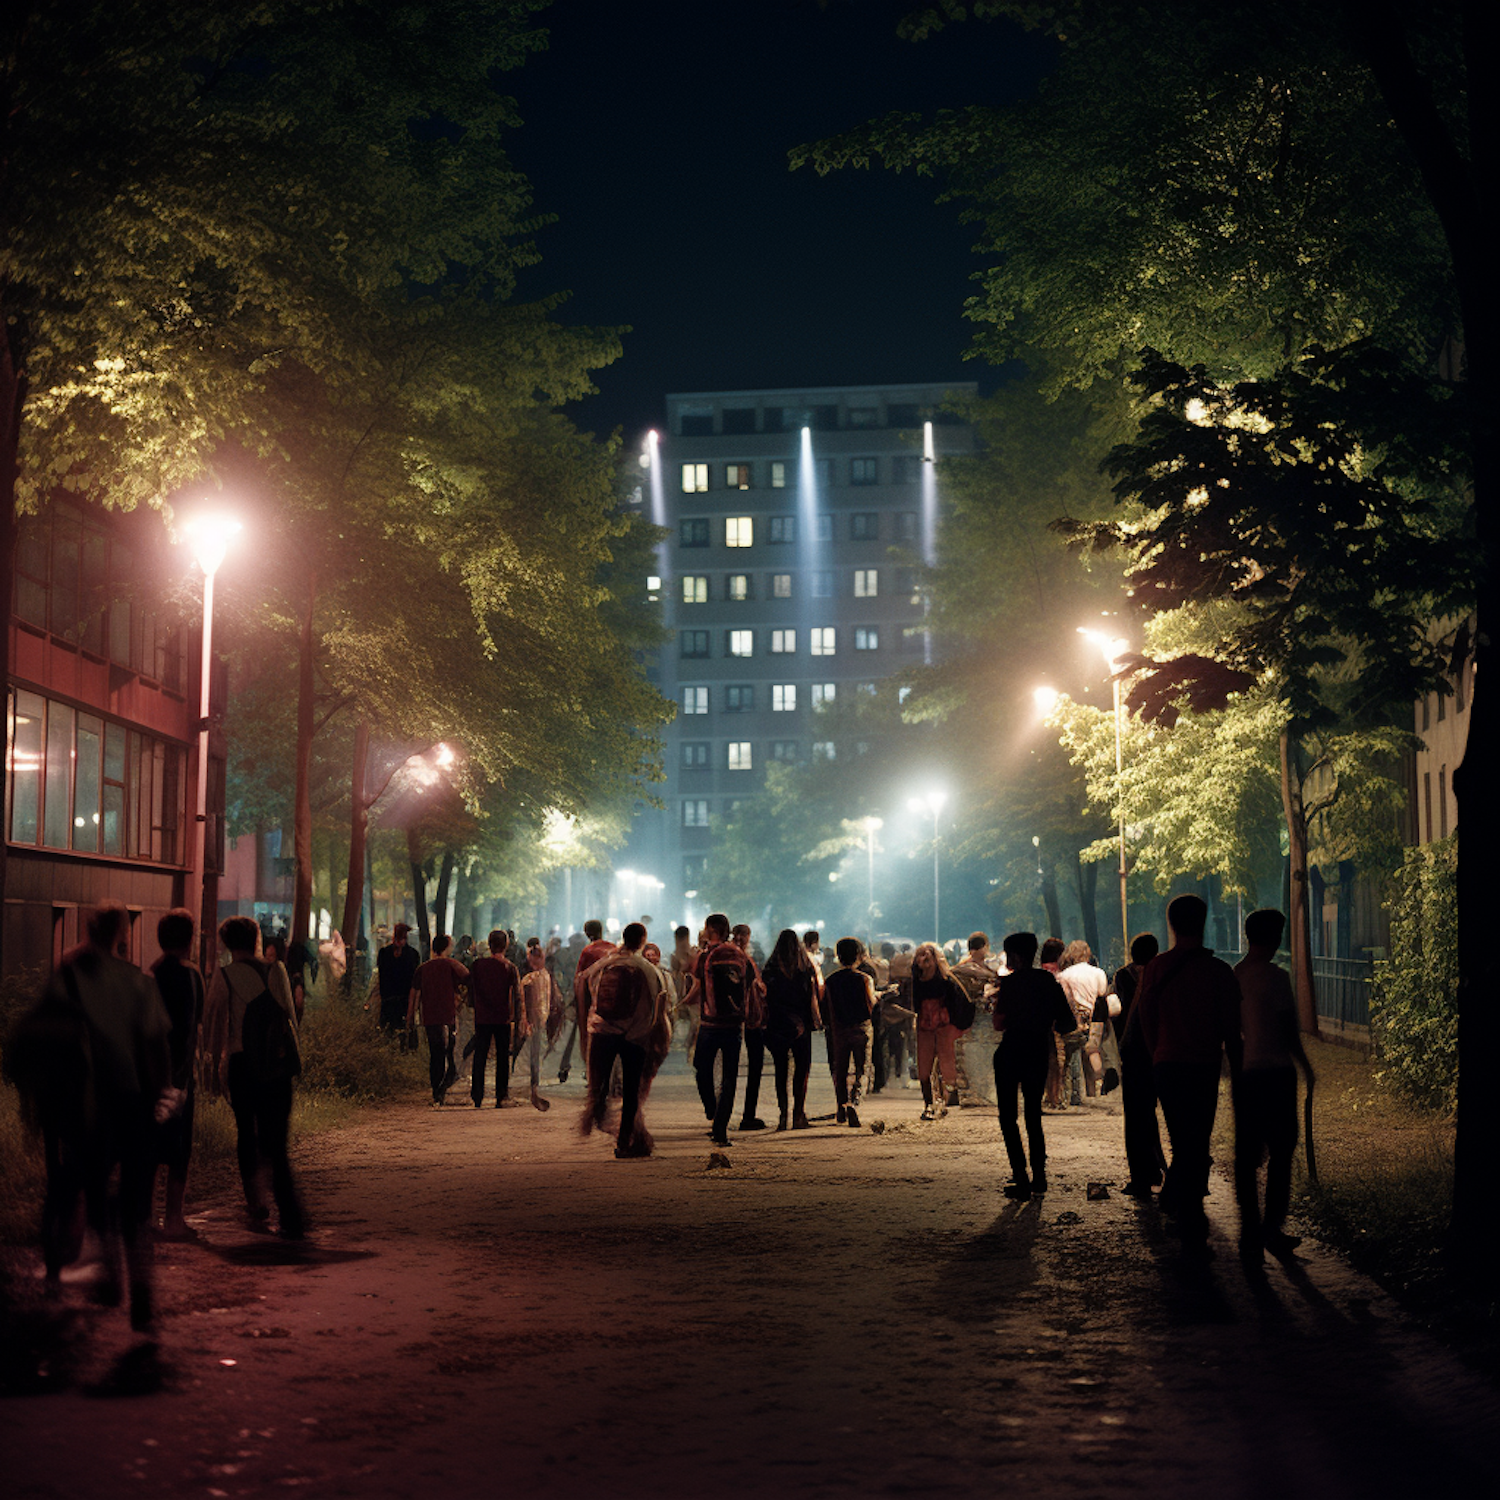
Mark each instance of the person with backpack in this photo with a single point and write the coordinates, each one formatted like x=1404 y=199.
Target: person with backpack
x=627 y=1021
x=435 y=989
x=850 y=996
x=793 y=985
x=723 y=981
x=250 y=1039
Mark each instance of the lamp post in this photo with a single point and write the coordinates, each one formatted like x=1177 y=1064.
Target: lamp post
x=872 y=826
x=933 y=803
x=209 y=535
x=1110 y=648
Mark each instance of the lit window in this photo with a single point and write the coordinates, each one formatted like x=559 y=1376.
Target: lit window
x=739 y=531
x=865 y=583
x=783 y=749
x=869 y=689
x=693 y=532
x=694 y=755
x=695 y=812
x=694 y=479
x=784 y=698
x=695 y=700
x=738 y=587
x=867 y=638
x=864 y=526
x=653 y=588
x=823 y=750
x=783 y=529
x=823 y=692
x=742 y=643
x=736 y=476
x=694 y=588
x=739 y=699
x=693 y=642
x=778 y=474
x=864 y=416
x=781 y=585
x=823 y=637
x=864 y=471
x=822 y=584
x=739 y=755
x=783 y=642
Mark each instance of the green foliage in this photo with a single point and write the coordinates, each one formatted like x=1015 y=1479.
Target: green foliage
x=345 y=1053
x=1414 y=1005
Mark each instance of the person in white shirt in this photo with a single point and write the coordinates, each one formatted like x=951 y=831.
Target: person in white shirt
x=1085 y=985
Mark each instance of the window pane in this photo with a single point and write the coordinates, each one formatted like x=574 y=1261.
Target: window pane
x=64 y=595
x=26 y=766
x=86 y=783
x=95 y=603
x=59 y=765
x=31 y=571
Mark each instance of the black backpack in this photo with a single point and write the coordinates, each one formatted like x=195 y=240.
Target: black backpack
x=620 y=993
x=268 y=1036
x=726 y=986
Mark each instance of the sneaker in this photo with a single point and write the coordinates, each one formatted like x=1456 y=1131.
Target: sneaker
x=436 y=1104
x=1280 y=1243
x=852 y=1117
x=749 y=1124
x=929 y=1113
x=801 y=1122
x=562 y=1077
x=1018 y=1191
x=720 y=1140
x=479 y=1104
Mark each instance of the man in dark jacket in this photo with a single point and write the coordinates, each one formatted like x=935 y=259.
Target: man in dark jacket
x=494 y=991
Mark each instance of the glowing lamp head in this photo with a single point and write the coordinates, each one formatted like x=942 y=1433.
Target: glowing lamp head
x=444 y=755
x=872 y=825
x=1045 y=699
x=209 y=536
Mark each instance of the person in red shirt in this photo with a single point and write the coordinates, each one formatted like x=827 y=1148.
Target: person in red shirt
x=494 y=987
x=435 y=989
x=598 y=946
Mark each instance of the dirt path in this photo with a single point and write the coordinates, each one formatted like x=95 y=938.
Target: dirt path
x=494 y=1306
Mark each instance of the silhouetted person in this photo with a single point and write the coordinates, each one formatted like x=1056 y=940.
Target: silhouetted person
x=181 y=988
x=791 y=1018
x=1189 y=1005
x=495 y=993
x=1265 y=1089
x=849 y=1000
x=435 y=989
x=250 y=1036
x=1143 y=1156
x=755 y=1038
x=721 y=982
x=396 y=966
x=1031 y=1010
x=598 y=945
x=626 y=1016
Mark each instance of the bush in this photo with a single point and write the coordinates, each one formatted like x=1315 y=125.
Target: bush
x=344 y=1052
x=1414 y=1003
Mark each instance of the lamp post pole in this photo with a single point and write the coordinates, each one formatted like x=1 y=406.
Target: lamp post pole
x=933 y=803
x=1110 y=648
x=210 y=540
x=872 y=826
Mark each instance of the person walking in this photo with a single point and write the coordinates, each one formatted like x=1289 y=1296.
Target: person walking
x=627 y=1023
x=755 y=1037
x=850 y=995
x=1144 y=1162
x=1057 y=1069
x=495 y=994
x=598 y=945
x=722 y=984
x=792 y=1015
x=940 y=1004
x=1031 y=1009
x=1189 y=1005
x=250 y=1038
x=976 y=973
x=1085 y=985
x=1265 y=1090
x=435 y=992
x=539 y=996
x=396 y=967
x=180 y=985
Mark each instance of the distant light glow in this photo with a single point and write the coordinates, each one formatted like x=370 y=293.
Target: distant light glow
x=209 y=536
x=1045 y=699
x=444 y=755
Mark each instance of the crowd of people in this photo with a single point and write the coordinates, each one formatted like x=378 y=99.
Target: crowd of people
x=110 y=1059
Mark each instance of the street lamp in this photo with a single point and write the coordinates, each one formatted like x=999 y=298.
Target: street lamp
x=933 y=803
x=209 y=536
x=1110 y=648
x=1045 y=699
x=871 y=826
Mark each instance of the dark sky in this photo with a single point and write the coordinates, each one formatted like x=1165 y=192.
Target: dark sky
x=657 y=133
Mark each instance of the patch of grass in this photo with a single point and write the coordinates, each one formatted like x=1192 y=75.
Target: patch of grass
x=345 y=1053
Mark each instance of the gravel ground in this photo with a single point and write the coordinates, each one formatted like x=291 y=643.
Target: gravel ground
x=492 y=1305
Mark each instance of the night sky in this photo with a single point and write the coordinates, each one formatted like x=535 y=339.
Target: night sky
x=657 y=134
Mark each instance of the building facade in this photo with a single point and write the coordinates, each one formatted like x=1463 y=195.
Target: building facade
x=797 y=520
x=102 y=732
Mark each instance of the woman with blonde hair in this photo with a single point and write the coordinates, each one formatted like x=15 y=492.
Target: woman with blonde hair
x=944 y=1011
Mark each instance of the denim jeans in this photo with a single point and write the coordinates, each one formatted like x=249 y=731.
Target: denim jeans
x=718 y=1041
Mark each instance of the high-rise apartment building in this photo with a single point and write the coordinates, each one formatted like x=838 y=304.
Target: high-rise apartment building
x=796 y=520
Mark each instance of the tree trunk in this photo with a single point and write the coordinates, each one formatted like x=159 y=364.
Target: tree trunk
x=359 y=832
x=1299 y=936
x=302 y=806
x=445 y=882
x=12 y=401
x=463 y=905
x=419 y=891
x=1049 y=900
x=1086 y=877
